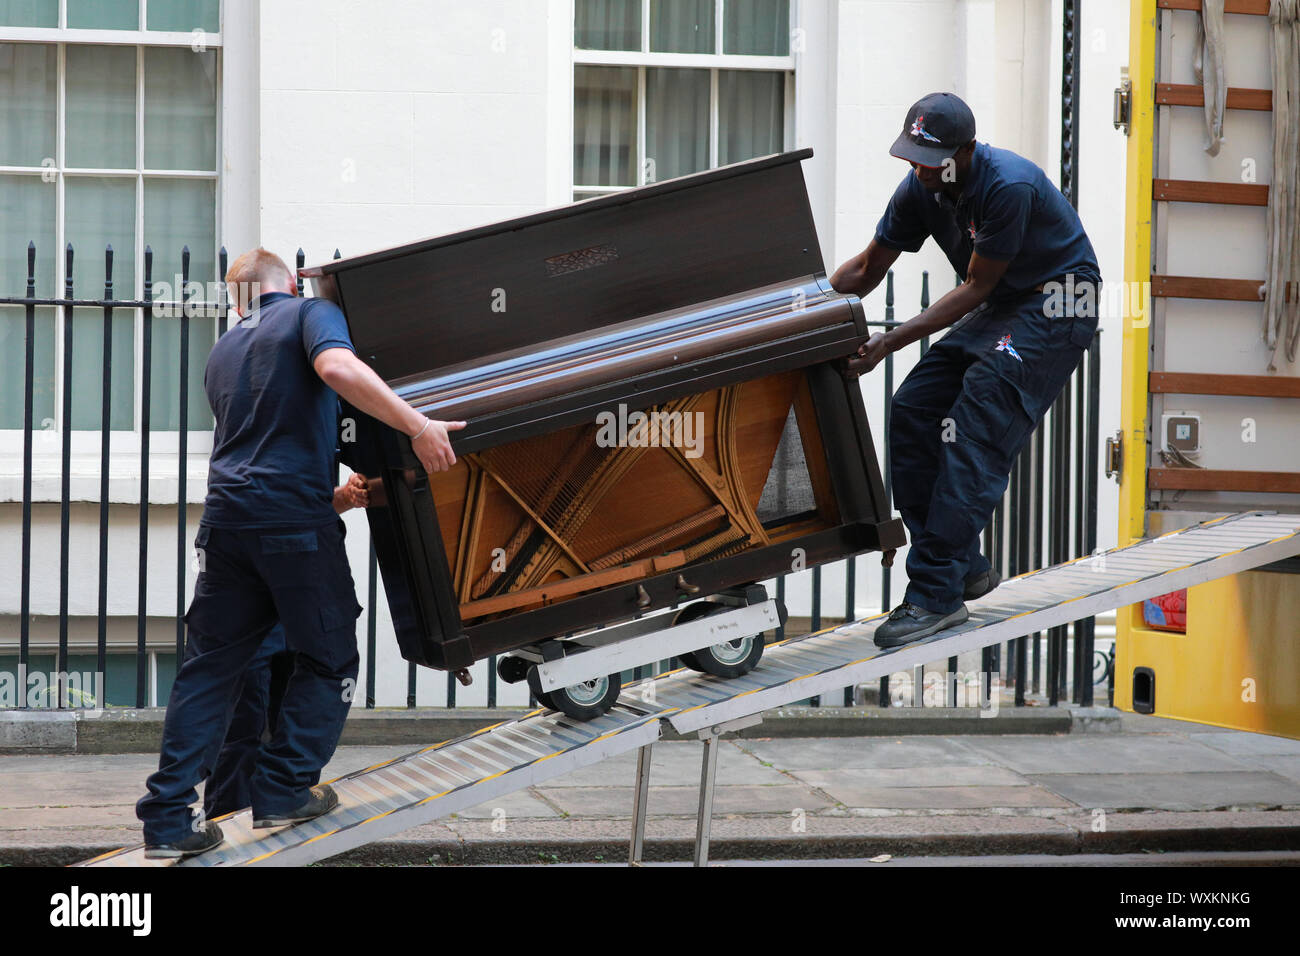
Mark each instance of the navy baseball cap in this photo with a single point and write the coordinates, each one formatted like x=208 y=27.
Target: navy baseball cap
x=937 y=126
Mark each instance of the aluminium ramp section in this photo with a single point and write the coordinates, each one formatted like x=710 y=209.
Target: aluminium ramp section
x=410 y=791
x=842 y=656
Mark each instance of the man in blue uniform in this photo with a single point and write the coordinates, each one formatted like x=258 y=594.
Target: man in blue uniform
x=1021 y=320
x=271 y=551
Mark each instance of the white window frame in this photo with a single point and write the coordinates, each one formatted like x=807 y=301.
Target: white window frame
x=713 y=62
x=126 y=443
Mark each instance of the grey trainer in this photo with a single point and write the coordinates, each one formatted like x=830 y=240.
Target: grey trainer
x=322 y=800
x=908 y=623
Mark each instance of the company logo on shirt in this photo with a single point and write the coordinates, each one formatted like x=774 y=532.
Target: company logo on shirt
x=971 y=229
x=1004 y=345
x=919 y=130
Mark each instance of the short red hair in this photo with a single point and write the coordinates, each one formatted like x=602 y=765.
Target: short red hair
x=254 y=272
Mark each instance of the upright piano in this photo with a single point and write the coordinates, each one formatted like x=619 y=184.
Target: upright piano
x=659 y=408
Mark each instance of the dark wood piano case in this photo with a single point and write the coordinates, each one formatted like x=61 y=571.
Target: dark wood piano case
x=658 y=408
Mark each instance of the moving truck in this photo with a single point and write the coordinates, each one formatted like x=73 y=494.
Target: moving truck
x=1208 y=428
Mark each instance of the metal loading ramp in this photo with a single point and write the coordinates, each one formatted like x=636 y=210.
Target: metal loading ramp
x=386 y=799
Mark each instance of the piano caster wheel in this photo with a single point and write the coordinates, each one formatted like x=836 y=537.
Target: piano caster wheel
x=512 y=670
x=546 y=701
x=585 y=701
x=729 y=659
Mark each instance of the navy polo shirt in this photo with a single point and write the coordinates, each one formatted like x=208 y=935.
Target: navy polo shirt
x=276 y=422
x=1008 y=210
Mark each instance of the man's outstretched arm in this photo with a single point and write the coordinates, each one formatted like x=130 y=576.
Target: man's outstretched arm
x=355 y=381
x=982 y=278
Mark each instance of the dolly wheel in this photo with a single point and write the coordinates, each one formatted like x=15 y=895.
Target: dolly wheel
x=729 y=659
x=588 y=700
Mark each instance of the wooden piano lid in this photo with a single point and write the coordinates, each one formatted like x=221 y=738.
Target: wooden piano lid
x=586 y=269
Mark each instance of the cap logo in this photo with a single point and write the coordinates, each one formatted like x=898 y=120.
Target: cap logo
x=919 y=130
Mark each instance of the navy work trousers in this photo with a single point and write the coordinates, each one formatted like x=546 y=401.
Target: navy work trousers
x=249 y=581
x=255 y=717
x=957 y=423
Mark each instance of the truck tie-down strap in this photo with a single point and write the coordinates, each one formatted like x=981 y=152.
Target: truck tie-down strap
x=417 y=789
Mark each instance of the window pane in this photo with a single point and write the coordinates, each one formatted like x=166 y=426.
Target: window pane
x=13 y=358
x=101 y=107
x=101 y=211
x=758 y=27
x=676 y=123
x=607 y=25
x=88 y=370
x=104 y=14
x=604 y=126
x=29 y=13
x=180 y=109
x=28 y=88
x=751 y=114
x=26 y=215
x=180 y=212
x=184 y=16
x=681 y=26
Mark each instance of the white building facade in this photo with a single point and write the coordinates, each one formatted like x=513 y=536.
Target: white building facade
x=361 y=124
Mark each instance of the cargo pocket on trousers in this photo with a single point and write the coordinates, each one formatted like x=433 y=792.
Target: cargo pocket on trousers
x=1082 y=332
x=1000 y=408
x=339 y=633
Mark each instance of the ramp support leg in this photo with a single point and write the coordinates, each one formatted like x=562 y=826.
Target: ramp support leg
x=708 y=776
x=639 y=805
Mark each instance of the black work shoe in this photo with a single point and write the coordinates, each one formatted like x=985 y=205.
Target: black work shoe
x=197 y=842
x=908 y=623
x=322 y=800
x=981 y=584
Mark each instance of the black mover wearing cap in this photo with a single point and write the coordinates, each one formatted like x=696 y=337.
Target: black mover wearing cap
x=937 y=126
x=967 y=408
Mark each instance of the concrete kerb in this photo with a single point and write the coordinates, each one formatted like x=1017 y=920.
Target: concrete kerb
x=1052 y=837
x=38 y=731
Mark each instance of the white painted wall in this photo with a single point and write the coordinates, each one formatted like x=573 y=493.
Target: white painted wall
x=385 y=121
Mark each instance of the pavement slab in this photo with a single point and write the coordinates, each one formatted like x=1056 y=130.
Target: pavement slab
x=1283 y=765
x=1173 y=791
x=676 y=764
x=945 y=798
x=1104 y=754
x=986 y=776
x=1241 y=744
x=841 y=753
x=684 y=801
